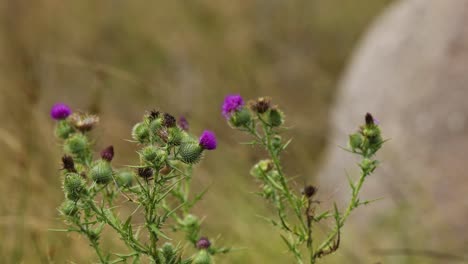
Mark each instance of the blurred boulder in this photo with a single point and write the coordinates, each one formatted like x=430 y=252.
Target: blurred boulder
x=411 y=72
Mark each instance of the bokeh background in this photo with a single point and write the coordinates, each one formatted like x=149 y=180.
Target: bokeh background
x=120 y=58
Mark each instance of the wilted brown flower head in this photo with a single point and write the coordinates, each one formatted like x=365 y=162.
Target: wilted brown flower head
x=260 y=106
x=83 y=122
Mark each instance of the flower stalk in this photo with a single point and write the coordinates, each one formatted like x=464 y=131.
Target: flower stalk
x=158 y=188
x=295 y=212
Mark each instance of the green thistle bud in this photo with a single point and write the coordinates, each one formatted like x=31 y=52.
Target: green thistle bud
x=370 y=131
x=261 y=168
x=101 y=172
x=202 y=257
x=240 y=118
x=175 y=137
x=124 y=178
x=275 y=117
x=74 y=186
x=149 y=153
x=191 y=221
x=355 y=141
x=190 y=152
x=168 y=251
x=77 y=145
x=368 y=166
x=63 y=129
x=155 y=125
x=154 y=156
x=140 y=132
x=68 y=208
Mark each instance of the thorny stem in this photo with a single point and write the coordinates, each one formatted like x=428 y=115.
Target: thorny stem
x=351 y=206
x=366 y=142
x=127 y=238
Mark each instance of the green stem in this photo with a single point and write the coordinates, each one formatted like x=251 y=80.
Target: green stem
x=127 y=238
x=95 y=245
x=282 y=177
x=351 y=206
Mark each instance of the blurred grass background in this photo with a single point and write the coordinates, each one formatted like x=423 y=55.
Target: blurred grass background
x=119 y=58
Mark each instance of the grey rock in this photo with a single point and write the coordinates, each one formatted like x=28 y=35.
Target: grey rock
x=411 y=73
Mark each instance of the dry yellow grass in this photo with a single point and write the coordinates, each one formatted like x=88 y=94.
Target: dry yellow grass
x=120 y=58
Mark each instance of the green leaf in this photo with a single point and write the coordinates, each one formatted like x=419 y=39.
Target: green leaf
x=286 y=241
x=323 y=215
x=156 y=230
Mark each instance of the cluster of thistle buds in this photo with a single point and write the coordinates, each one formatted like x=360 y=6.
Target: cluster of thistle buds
x=162 y=178
x=296 y=213
x=238 y=115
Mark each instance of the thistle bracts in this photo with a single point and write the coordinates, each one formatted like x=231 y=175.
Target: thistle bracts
x=158 y=187
x=298 y=210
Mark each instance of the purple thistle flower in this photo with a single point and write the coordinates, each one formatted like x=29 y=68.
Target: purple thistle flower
x=231 y=104
x=203 y=243
x=207 y=140
x=108 y=153
x=370 y=120
x=60 y=111
x=183 y=123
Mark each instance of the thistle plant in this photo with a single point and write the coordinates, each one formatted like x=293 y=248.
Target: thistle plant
x=157 y=189
x=298 y=212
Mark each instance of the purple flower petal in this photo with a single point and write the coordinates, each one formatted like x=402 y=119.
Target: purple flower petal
x=207 y=140
x=183 y=123
x=231 y=104
x=60 y=111
x=203 y=243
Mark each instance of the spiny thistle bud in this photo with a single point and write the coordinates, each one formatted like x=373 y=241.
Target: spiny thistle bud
x=262 y=105
x=203 y=243
x=368 y=166
x=108 y=153
x=63 y=129
x=124 y=178
x=183 y=123
x=175 y=136
x=169 y=120
x=190 y=152
x=154 y=156
x=275 y=117
x=207 y=140
x=155 y=125
x=68 y=163
x=68 y=208
x=140 y=132
x=146 y=173
x=261 y=168
x=83 y=122
x=240 y=118
x=355 y=141
x=101 y=172
x=202 y=257
x=168 y=251
x=153 y=114
x=60 y=111
x=372 y=140
x=77 y=145
x=309 y=191
x=191 y=221
x=74 y=186
x=231 y=104
x=149 y=153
